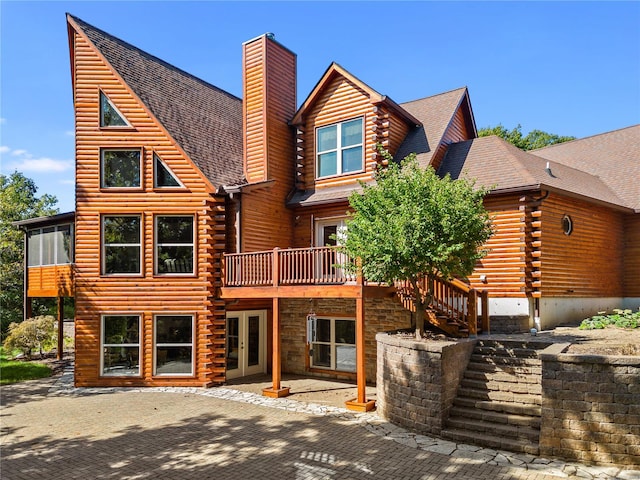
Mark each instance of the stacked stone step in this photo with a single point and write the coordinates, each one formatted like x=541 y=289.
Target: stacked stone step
x=498 y=404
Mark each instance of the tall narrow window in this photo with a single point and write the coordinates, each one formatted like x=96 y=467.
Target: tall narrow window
x=163 y=176
x=173 y=344
x=120 y=169
x=109 y=114
x=121 y=239
x=120 y=345
x=339 y=148
x=174 y=245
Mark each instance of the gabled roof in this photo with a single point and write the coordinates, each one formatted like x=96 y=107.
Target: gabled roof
x=494 y=162
x=613 y=156
x=205 y=121
x=435 y=113
x=336 y=70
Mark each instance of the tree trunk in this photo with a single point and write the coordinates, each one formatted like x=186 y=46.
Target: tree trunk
x=421 y=301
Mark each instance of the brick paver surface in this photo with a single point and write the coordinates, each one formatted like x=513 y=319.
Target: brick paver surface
x=157 y=435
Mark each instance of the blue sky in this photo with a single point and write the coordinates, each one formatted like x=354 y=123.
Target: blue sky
x=571 y=68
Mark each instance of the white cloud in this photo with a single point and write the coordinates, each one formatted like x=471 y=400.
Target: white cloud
x=19 y=153
x=68 y=182
x=42 y=164
x=70 y=133
x=3 y=120
x=4 y=149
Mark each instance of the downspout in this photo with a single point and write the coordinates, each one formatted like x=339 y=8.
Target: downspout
x=237 y=197
x=26 y=308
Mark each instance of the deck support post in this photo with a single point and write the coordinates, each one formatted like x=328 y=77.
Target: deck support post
x=276 y=390
x=60 y=327
x=360 y=404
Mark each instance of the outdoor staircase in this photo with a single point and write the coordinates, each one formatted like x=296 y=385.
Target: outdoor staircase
x=499 y=398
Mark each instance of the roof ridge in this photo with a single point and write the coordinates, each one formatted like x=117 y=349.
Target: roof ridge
x=83 y=24
x=435 y=95
x=585 y=138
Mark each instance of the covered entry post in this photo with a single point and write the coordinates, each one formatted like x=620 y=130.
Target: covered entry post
x=360 y=404
x=276 y=390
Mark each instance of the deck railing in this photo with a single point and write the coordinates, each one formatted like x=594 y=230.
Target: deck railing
x=292 y=266
x=454 y=299
x=325 y=266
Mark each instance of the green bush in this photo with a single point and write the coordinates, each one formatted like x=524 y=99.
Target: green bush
x=619 y=318
x=38 y=333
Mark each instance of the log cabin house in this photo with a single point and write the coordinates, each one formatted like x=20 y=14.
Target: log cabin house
x=204 y=225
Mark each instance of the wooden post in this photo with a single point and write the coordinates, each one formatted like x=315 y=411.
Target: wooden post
x=60 y=327
x=472 y=313
x=360 y=403
x=276 y=267
x=484 y=301
x=276 y=390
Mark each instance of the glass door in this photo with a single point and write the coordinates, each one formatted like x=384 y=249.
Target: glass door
x=246 y=343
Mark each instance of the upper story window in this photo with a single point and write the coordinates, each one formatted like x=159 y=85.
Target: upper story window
x=121 y=244
x=110 y=116
x=120 y=169
x=163 y=177
x=339 y=148
x=50 y=245
x=174 y=245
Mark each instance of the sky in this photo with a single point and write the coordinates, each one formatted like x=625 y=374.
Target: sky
x=570 y=68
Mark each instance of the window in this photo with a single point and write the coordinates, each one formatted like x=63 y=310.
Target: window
x=163 y=176
x=121 y=239
x=120 y=169
x=333 y=343
x=50 y=245
x=567 y=224
x=110 y=116
x=120 y=345
x=173 y=344
x=174 y=245
x=339 y=148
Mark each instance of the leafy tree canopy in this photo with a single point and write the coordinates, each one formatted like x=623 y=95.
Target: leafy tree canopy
x=534 y=139
x=413 y=223
x=18 y=201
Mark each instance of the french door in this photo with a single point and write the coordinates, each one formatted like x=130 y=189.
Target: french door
x=246 y=343
x=330 y=233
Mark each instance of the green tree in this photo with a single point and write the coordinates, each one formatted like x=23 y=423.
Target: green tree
x=18 y=201
x=37 y=333
x=534 y=139
x=413 y=224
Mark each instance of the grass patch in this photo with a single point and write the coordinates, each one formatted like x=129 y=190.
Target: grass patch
x=619 y=318
x=12 y=371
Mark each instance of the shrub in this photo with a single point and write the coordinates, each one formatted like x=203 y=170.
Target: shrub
x=619 y=318
x=37 y=333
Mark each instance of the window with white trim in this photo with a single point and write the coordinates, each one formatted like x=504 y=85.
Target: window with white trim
x=173 y=345
x=120 y=168
x=120 y=345
x=50 y=245
x=121 y=244
x=174 y=245
x=333 y=343
x=110 y=116
x=163 y=177
x=339 y=148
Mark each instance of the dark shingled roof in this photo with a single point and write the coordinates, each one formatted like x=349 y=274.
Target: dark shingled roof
x=494 y=162
x=205 y=121
x=613 y=156
x=435 y=113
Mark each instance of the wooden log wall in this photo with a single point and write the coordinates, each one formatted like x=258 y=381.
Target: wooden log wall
x=145 y=294
x=50 y=281
x=457 y=131
x=632 y=255
x=589 y=261
x=269 y=103
x=505 y=264
x=305 y=218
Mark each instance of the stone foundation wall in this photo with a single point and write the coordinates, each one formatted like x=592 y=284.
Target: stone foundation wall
x=509 y=323
x=381 y=314
x=591 y=408
x=417 y=381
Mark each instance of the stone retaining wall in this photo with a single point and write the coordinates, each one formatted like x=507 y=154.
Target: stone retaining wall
x=590 y=408
x=418 y=381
